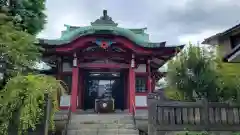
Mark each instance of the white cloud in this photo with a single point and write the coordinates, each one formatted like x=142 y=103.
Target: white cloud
x=173 y=21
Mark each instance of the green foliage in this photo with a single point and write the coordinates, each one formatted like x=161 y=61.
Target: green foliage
x=203 y=72
x=23 y=100
x=194 y=71
x=28 y=14
x=229 y=77
x=18 y=49
x=17 y=46
x=200 y=133
x=193 y=133
x=174 y=94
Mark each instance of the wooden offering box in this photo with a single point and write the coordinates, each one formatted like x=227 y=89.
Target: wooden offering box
x=104 y=105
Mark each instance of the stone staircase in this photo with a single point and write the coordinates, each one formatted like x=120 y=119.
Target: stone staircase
x=101 y=124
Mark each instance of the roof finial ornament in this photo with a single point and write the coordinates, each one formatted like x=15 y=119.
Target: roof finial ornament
x=104 y=20
x=105 y=16
x=105 y=13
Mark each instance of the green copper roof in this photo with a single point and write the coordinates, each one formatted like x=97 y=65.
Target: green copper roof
x=88 y=30
x=104 y=25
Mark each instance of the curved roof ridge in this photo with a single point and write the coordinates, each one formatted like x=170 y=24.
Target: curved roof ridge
x=88 y=30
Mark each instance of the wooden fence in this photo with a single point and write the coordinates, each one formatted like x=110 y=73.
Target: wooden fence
x=192 y=116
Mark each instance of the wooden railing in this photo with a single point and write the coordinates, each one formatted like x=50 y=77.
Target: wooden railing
x=193 y=116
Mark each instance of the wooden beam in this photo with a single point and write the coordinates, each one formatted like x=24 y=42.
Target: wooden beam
x=105 y=54
x=87 y=60
x=103 y=66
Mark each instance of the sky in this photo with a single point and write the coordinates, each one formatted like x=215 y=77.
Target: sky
x=174 y=21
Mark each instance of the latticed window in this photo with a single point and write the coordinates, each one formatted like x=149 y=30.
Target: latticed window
x=141 y=84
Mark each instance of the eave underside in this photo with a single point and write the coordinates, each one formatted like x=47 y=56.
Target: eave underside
x=156 y=59
x=233 y=53
x=120 y=51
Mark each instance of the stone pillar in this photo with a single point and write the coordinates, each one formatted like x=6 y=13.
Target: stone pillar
x=75 y=77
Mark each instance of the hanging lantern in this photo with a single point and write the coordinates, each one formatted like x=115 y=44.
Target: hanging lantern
x=133 y=61
x=75 y=60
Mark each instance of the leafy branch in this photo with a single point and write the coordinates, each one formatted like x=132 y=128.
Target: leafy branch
x=23 y=99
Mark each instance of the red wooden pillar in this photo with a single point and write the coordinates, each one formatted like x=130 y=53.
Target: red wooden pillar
x=149 y=81
x=131 y=76
x=74 y=93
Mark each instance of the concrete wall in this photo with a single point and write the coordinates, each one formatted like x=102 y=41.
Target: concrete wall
x=141 y=100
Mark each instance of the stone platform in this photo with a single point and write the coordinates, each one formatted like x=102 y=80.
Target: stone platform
x=114 y=119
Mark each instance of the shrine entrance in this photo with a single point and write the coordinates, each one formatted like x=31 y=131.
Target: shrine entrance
x=98 y=84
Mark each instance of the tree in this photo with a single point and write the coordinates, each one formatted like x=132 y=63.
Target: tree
x=193 y=74
x=22 y=96
x=229 y=77
x=202 y=72
x=28 y=14
x=22 y=101
x=17 y=47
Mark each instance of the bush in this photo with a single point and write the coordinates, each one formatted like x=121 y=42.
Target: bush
x=24 y=97
x=193 y=71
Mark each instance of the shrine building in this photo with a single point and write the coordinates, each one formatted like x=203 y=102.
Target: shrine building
x=103 y=56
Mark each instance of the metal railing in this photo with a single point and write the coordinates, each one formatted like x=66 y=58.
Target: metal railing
x=69 y=114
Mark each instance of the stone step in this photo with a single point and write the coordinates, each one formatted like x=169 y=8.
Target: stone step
x=100 y=134
x=102 y=121
x=103 y=132
x=100 y=116
x=78 y=126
